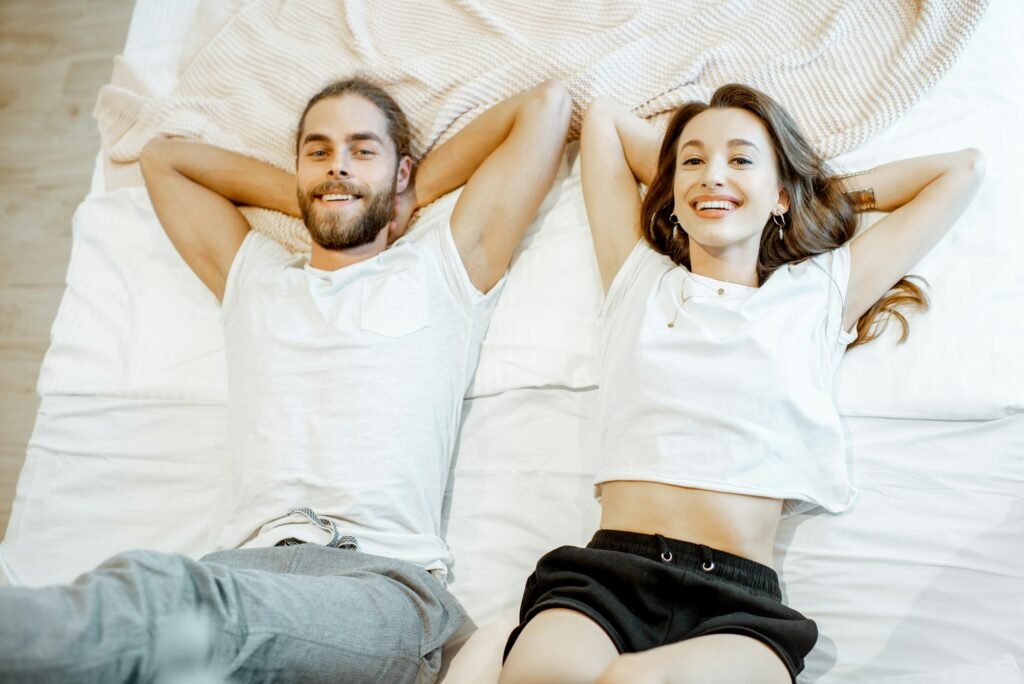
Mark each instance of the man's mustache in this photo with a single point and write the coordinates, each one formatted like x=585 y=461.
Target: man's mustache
x=339 y=188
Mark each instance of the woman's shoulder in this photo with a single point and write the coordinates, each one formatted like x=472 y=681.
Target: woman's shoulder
x=831 y=264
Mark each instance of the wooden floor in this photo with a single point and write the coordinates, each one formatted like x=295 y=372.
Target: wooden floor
x=54 y=56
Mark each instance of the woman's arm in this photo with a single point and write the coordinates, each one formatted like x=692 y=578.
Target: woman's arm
x=617 y=148
x=195 y=187
x=925 y=195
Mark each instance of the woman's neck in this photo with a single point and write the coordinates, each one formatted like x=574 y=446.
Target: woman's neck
x=733 y=264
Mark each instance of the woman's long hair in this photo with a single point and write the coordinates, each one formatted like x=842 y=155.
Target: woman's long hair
x=820 y=216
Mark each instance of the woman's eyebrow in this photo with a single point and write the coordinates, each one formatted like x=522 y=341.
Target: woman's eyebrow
x=732 y=143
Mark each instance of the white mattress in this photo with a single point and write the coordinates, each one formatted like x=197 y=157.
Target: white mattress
x=923 y=575
x=923 y=581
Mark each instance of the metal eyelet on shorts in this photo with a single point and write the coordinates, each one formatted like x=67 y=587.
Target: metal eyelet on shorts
x=666 y=553
x=708 y=566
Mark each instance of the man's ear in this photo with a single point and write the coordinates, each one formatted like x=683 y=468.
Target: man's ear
x=403 y=175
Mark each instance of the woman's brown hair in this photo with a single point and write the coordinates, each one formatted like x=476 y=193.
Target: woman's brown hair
x=820 y=216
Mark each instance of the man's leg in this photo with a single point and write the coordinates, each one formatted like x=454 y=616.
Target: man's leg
x=304 y=613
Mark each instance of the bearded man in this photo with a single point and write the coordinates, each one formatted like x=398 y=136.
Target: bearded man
x=346 y=375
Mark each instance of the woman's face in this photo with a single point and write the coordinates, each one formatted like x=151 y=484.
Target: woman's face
x=726 y=183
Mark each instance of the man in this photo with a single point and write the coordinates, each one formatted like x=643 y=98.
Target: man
x=346 y=375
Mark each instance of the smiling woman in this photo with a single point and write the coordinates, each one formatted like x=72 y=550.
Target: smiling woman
x=722 y=330
x=723 y=187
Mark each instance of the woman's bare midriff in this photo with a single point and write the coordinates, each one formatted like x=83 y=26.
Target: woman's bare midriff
x=736 y=523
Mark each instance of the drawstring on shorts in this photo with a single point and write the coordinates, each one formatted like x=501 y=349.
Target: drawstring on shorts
x=666 y=553
x=709 y=562
x=705 y=551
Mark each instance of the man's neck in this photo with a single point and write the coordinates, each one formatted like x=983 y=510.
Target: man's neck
x=333 y=259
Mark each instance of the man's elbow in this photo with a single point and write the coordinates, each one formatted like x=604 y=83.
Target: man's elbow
x=154 y=154
x=162 y=152
x=551 y=99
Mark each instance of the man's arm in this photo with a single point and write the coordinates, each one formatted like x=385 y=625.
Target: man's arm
x=195 y=189
x=507 y=158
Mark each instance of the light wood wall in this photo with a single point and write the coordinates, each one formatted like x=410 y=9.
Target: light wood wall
x=54 y=56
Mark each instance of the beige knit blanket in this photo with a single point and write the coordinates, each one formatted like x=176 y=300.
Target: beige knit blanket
x=845 y=69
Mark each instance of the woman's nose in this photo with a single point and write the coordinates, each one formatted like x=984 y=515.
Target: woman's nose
x=713 y=176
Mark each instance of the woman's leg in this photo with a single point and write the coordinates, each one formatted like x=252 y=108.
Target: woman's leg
x=712 y=659
x=559 y=646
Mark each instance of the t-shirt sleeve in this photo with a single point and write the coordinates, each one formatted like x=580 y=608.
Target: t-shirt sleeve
x=438 y=244
x=257 y=252
x=630 y=271
x=837 y=265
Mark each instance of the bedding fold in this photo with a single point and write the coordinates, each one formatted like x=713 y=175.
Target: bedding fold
x=249 y=66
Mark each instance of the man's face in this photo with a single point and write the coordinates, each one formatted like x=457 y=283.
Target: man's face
x=346 y=172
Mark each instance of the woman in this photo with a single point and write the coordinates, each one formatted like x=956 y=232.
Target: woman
x=733 y=290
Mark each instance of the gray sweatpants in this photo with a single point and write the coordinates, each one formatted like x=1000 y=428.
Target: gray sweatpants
x=302 y=613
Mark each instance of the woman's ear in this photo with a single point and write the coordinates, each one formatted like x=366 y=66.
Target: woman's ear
x=783 y=199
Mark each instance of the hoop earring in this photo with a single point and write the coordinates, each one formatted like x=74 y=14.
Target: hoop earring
x=779 y=221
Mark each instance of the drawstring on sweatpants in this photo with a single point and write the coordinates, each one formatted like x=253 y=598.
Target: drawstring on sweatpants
x=338 y=540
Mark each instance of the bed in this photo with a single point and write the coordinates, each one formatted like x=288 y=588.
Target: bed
x=922 y=581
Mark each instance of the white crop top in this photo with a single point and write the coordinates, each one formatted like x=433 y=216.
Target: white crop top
x=736 y=396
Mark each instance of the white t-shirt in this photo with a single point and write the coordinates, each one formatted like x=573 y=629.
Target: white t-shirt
x=736 y=396
x=345 y=392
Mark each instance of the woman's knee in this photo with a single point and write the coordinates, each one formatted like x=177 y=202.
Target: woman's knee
x=632 y=668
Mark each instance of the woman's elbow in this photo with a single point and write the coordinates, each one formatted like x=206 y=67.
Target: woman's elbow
x=972 y=162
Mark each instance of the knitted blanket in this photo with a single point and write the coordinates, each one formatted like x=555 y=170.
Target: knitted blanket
x=845 y=69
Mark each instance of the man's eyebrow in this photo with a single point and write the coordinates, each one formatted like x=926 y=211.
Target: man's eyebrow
x=366 y=135
x=315 y=137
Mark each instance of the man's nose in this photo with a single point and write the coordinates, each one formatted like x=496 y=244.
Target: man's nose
x=339 y=168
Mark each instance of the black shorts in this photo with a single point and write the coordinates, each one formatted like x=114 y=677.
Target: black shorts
x=648 y=591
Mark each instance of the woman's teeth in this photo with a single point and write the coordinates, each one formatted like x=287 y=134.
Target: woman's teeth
x=718 y=204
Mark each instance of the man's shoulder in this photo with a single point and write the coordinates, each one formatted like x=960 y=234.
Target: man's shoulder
x=257 y=255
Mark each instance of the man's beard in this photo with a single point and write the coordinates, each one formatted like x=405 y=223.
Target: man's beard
x=334 y=231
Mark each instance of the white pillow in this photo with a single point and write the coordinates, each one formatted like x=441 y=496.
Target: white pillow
x=962 y=360
x=544 y=327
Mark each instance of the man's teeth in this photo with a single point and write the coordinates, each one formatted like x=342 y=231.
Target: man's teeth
x=337 y=198
x=718 y=204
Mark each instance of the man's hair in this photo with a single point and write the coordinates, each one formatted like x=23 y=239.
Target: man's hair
x=398 y=124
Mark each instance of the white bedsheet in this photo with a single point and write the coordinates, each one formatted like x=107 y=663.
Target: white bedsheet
x=921 y=581
x=924 y=574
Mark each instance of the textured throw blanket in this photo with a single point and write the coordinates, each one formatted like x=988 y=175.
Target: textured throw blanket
x=845 y=69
